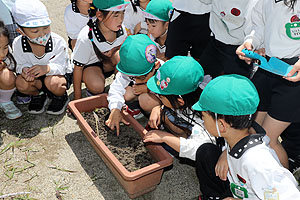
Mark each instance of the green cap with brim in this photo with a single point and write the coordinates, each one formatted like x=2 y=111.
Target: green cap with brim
x=178 y=76
x=229 y=95
x=137 y=55
x=110 y=5
x=159 y=10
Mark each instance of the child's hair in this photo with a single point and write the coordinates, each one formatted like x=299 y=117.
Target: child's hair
x=290 y=3
x=189 y=99
x=92 y=13
x=4 y=32
x=237 y=122
x=134 y=4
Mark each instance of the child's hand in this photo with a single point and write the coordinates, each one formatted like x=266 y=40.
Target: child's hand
x=241 y=55
x=261 y=51
x=154 y=119
x=139 y=89
x=39 y=70
x=154 y=136
x=2 y=65
x=114 y=120
x=221 y=168
x=27 y=76
x=296 y=68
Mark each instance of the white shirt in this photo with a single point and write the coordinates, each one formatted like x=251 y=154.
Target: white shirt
x=197 y=7
x=278 y=27
x=190 y=145
x=131 y=19
x=230 y=20
x=117 y=89
x=74 y=21
x=255 y=168
x=162 y=49
x=84 y=53
x=56 y=55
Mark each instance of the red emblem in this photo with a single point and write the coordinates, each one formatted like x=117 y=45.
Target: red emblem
x=241 y=179
x=222 y=14
x=235 y=11
x=295 y=18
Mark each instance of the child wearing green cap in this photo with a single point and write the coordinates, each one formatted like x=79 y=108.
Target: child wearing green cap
x=178 y=83
x=228 y=105
x=137 y=64
x=157 y=16
x=96 y=51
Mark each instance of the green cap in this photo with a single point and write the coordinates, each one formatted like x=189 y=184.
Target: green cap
x=229 y=95
x=137 y=55
x=178 y=76
x=110 y=5
x=159 y=10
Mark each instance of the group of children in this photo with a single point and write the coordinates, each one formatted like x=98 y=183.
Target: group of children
x=180 y=64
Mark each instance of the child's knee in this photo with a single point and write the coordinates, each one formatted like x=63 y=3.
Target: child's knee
x=7 y=79
x=95 y=87
x=129 y=95
x=147 y=102
x=56 y=85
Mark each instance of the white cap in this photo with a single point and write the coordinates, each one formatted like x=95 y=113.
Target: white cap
x=30 y=13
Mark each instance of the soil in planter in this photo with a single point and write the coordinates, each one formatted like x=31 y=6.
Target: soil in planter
x=128 y=147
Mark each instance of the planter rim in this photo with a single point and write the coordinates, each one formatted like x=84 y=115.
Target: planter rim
x=168 y=160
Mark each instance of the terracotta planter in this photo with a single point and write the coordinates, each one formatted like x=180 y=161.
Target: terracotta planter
x=135 y=183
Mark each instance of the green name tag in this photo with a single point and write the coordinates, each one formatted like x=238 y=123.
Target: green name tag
x=238 y=191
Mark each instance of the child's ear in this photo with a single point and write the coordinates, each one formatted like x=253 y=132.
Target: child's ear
x=180 y=101
x=223 y=126
x=100 y=15
x=166 y=25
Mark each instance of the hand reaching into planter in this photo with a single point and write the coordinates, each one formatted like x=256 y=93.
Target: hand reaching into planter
x=114 y=120
x=154 y=119
x=157 y=136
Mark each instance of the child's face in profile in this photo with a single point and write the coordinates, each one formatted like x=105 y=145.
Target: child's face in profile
x=209 y=124
x=113 y=21
x=157 y=28
x=3 y=47
x=36 y=31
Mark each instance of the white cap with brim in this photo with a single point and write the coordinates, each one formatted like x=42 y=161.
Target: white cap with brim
x=120 y=7
x=150 y=16
x=30 y=14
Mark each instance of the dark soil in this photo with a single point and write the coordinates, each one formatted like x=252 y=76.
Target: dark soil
x=128 y=147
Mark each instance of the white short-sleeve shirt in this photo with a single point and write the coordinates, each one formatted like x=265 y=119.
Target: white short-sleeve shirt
x=74 y=20
x=230 y=21
x=255 y=171
x=56 y=55
x=131 y=19
x=84 y=53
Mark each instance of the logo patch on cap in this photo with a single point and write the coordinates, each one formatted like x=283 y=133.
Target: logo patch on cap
x=170 y=13
x=150 y=53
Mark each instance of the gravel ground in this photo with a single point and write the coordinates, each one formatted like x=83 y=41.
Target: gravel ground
x=49 y=157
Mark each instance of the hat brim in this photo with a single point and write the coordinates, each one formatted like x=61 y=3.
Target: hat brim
x=152 y=85
x=36 y=23
x=150 y=16
x=119 y=7
x=197 y=106
x=120 y=68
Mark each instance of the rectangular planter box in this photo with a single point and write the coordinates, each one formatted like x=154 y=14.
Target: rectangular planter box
x=135 y=183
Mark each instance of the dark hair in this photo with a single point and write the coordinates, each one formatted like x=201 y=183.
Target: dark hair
x=237 y=122
x=151 y=21
x=189 y=99
x=290 y=3
x=92 y=13
x=4 y=32
x=134 y=4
